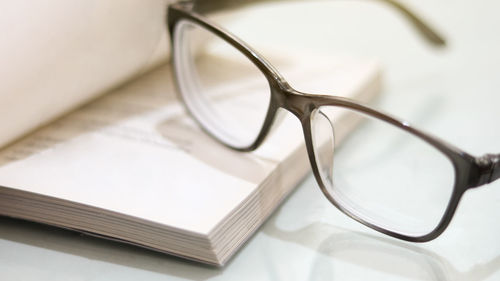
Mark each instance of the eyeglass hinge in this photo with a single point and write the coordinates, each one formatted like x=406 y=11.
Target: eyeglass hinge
x=489 y=168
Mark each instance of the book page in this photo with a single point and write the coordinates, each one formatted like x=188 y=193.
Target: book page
x=58 y=54
x=136 y=152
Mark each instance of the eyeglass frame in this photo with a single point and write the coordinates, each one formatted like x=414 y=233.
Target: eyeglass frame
x=470 y=171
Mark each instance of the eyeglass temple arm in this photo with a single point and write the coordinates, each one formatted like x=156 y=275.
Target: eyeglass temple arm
x=489 y=169
x=429 y=33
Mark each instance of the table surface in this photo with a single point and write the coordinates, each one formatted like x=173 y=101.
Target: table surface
x=450 y=92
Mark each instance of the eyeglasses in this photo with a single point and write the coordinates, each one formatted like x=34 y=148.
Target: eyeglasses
x=388 y=175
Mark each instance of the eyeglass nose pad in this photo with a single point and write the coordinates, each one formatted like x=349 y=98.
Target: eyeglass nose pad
x=325 y=146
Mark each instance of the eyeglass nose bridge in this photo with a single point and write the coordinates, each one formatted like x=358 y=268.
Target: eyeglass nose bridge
x=299 y=104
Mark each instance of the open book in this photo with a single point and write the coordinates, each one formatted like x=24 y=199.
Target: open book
x=132 y=166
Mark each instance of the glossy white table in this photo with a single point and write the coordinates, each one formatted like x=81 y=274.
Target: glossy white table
x=453 y=93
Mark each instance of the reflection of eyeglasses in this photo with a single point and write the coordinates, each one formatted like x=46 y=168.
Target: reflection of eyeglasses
x=413 y=182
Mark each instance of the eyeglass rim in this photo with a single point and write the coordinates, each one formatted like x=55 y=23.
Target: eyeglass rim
x=302 y=105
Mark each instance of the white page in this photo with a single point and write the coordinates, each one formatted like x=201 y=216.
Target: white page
x=58 y=54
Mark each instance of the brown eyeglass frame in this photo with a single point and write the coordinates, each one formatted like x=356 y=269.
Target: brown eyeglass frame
x=470 y=171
